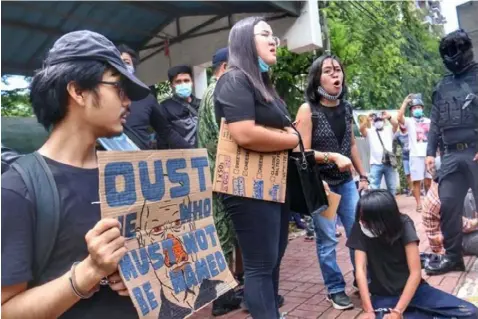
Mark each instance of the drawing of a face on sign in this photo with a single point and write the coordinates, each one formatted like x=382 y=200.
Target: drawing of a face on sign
x=188 y=264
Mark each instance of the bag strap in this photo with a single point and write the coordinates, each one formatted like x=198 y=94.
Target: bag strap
x=187 y=105
x=304 y=163
x=42 y=188
x=381 y=142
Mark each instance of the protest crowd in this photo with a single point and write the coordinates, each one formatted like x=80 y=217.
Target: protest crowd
x=89 y=99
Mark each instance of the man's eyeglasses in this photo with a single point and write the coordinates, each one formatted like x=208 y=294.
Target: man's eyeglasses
x=270 y=36
x=118 y=85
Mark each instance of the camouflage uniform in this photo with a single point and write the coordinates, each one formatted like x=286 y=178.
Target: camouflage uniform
x=208 y=132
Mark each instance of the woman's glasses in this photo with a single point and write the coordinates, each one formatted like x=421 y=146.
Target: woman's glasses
x=269 y=36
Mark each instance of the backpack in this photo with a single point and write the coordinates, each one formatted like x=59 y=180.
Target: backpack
x=43 y=191
x=8 y=157
x=42 y=188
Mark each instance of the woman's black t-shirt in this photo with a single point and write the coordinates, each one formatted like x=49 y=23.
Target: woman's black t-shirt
x=387 y=263
x=236 y=100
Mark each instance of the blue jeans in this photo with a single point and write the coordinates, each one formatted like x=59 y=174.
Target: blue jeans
x=262 y=231
x=326 y=240
x=377 y=171
x=429 y=303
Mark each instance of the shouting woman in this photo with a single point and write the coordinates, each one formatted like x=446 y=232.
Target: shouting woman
x=325 y=123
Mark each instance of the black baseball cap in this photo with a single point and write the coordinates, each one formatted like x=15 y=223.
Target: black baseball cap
x=89 y=45
x=220 y=56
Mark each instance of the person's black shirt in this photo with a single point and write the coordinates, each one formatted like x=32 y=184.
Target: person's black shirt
x=387 y=263
x=237 y=100
x=80 y=211
x=145 y=114
x=182 y=118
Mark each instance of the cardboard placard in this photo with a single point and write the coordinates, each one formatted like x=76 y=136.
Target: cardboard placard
x=174 y=265
x=250 y=174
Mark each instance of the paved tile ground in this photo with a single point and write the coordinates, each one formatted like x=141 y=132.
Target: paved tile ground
x=303 y=288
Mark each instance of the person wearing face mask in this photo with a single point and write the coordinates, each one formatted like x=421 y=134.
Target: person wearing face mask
x=386 y=249
x=245 y=97
x=145 y=115
x=325 y=124
x=418 y=127
x=181 y=110
x=454 y=117
x=380 y=139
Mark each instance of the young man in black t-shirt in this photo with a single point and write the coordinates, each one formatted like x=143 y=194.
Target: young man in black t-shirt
x=81 y=93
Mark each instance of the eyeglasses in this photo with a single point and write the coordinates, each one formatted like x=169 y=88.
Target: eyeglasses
x=270 y=36
x=119 y=86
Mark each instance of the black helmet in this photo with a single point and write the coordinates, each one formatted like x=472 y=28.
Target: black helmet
x=456 y=51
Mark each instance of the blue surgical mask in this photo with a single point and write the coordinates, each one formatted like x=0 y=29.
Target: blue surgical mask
x=263 y=67
x=184 y=90
x=130 y=68
x=418 y=113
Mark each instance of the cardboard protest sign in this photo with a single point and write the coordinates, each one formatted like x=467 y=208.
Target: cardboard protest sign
x=163 y=199
x=249 y=174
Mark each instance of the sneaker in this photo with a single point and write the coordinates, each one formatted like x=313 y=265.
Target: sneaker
x=340 y=301
x=228 y=302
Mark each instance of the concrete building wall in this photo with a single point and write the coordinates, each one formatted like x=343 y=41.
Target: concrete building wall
x=468 y=20
x=299 y=34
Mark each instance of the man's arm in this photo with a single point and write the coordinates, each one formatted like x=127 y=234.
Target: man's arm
x=167 y=136
x=363 y=129
x=402 y=110
x=50 y=300
x=355 y=157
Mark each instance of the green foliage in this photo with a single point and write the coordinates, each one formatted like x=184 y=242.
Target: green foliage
x=386 y=50
x=290 y=77
x=15 y=102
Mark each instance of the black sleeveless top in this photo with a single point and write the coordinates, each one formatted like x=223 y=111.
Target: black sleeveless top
x=326 y=126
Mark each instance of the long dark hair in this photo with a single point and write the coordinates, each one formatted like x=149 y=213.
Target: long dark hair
x=378 y=211
x=313 y=79
x=243 y=56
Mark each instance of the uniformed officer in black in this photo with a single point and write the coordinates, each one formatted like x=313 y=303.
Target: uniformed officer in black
x=455 y=117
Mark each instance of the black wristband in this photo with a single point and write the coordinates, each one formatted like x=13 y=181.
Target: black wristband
x=364 y=178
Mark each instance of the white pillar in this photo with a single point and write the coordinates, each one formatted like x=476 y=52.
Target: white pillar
x=200 y=80
x=305 y=34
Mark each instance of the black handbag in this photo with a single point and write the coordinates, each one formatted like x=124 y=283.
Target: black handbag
x=306 y=190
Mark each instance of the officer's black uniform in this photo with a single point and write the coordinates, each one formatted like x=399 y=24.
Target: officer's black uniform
x=455 y=117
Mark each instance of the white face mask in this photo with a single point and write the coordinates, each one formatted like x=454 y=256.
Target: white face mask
x=378 y=125
x=367 y=231
x=130 y=68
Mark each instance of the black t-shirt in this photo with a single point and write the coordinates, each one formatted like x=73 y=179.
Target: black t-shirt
x=80 y=211
x=145 y=114
x=237 y=100
x=387 y=263
x=336 y=118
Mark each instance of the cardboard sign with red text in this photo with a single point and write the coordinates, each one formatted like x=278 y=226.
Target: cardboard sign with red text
x=174 y=265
